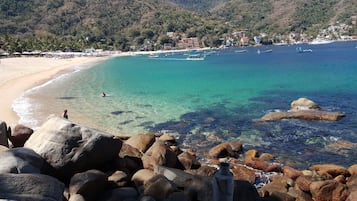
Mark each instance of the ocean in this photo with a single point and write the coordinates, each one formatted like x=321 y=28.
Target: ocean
x=205 y=102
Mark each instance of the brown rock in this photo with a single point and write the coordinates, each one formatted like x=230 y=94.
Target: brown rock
x=159 y=154
x=142 y=176
x=266 y=157
x=299 y=194
x=352 y=183
x=303 y=182
x=118 y=179
x=142 y=142
x=226 y=149
x=204 y=170
x=20 y=134
x=291 y=172
x=250 y=154
x=279 y=184
x=331 y=169
x=168 y=139
x=352 y=196
x=304 y=104
x=353 y=169
x=281 y=196
x=188 y=160
x=128 y=150
x=328 y=190
x=244 y=173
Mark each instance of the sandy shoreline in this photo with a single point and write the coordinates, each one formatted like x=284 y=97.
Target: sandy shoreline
x=20 y=74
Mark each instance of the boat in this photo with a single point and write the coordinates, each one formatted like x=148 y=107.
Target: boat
x=195 y=57
x=264 y=51
x=300 y=50
x=241 y=51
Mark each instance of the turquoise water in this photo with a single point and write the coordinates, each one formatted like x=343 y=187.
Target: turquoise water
x=220 y=96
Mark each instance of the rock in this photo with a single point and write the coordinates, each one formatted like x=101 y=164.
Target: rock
x=21 y=160
x=299 y=194
x=128 y=150
x=243 y=173
x=27 y=187
x=71 y=148
x=352 y=196
x=89 y=184
x=328 y=190
x=142 y=142
x=20 y=134
x=76 y=197
x=158 y=187
x=159 y=154
x=177 y=176
x=168 y=139
x=304 y=104
x=118 y=179
x=281 y=196
x=291 y=172
x=309 y=115
x=4 y=134
x=226 y=149
x=303 y=182
x=331 y=169
x=204 y=170
x=188 y=160
x=121 y=194
x=278 y=184
x=352 y=183
x=353 y=169
x=142 y=176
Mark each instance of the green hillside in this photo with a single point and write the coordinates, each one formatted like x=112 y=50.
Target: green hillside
x=134 y=24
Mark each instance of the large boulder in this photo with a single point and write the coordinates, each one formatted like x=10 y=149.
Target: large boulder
x=20 y=134
x=328 y=190
x=29 y=187
x=142 y=142
x=4 y=133
x=21 y=160
x=71 y=148
x=304 y=104
x=159 y=154
x=226 y=149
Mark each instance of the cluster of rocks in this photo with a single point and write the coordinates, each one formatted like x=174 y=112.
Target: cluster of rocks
x=66 y=161
x=305 y=109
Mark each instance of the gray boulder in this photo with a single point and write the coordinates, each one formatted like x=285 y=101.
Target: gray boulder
x=30 y=187
x=21 y=160
x=71 y=148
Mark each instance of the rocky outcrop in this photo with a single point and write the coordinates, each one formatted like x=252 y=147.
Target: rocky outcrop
x=143 y=170
x=304 y=109
x=71 y=148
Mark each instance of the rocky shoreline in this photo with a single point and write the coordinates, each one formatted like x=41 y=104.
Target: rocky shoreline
x=65 y=161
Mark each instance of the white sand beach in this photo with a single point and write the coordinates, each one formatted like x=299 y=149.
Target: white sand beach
x=22 y=73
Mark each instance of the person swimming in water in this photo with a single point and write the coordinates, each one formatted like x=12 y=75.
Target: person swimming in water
x=104 y=94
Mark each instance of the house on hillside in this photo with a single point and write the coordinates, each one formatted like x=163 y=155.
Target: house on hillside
x=244 y=41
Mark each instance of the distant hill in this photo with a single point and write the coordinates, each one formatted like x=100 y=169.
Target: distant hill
x=124 y=24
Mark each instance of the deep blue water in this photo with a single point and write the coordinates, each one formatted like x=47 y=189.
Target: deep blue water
x=222 y=95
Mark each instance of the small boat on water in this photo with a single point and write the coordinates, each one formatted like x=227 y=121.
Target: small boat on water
x=264 y=51
x=241 y=51
x=300 y=50
x=153 y=56
x=195 y=57
x=320 y=41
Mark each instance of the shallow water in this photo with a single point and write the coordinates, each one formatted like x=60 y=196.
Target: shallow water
x=219 y=96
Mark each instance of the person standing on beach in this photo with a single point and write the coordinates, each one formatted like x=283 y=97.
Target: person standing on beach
x=65 y=114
